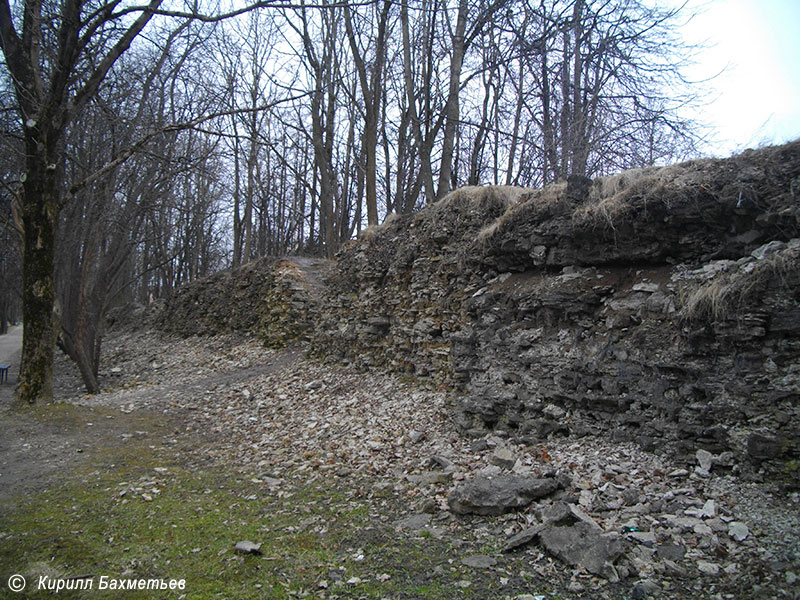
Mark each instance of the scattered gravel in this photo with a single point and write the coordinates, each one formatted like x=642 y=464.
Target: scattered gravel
x=689 y=529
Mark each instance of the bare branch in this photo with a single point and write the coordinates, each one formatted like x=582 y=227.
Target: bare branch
x=173 y=127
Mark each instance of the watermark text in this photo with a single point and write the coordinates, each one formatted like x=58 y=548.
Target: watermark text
x=89 y=582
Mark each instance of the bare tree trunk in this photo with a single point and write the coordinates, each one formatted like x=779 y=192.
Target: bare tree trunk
x=518 y=109
x=423 y=144
x=371 y=92
x=403 y=147
x=237 y=192
x=475 y=162
x=578 y=142
x=323 y=112
x=250 y=191
x=452 y=107
x=85 y=339
x=329 y=181
x=41 y=323
x=387 y=159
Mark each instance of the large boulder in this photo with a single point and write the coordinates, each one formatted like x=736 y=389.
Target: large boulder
x=574 y=537
x=498 y=495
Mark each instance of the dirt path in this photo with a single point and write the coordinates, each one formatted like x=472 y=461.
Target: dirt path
x=314 y=272
x=10 y=350
x=42 y=445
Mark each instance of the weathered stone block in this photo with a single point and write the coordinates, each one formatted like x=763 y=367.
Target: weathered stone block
x=483 y=496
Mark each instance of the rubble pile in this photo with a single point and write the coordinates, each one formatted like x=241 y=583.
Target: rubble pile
x=625 y=521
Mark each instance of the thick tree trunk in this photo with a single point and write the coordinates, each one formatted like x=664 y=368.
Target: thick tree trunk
x=86 y=355
x=82 y=349
x=81 y=318
x=40 y=211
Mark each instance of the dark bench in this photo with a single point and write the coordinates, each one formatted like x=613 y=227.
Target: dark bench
x=4 y=373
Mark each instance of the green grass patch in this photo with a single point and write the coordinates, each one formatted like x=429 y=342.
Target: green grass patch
x=138 y=510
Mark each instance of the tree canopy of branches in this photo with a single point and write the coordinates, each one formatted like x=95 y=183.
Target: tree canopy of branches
x=148 y=144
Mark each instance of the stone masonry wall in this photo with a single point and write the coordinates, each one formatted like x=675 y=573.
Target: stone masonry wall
x=661 y=305
x=276 y=300
x=396 y=296
x=673 y=357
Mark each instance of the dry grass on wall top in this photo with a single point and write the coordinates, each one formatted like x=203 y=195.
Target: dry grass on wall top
x=521 y=199
x=728 y=292
x=502 y=199
x=611 y=198
x=478 y=195
x=373 y=231
x=752 y=177
x=474 y=210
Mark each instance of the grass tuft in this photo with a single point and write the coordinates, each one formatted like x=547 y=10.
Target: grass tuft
x=517 y=200
x=729 y=292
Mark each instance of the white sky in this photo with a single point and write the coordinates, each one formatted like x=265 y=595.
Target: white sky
x=756 y=100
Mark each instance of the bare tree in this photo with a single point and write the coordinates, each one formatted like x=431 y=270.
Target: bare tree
x=11 y=158
x=420 y=97
x=322 y=56
x=245 y=52
x=58 y=54
x=603 y=70
x=100 y=229
x=464 y=34
x=370 y=78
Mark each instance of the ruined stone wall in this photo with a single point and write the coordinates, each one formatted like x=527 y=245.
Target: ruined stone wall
x=276 y=300
x=661 y=305
x=670 y=356
x=396 y=296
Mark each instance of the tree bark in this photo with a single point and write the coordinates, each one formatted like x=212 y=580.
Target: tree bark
x=41 y=323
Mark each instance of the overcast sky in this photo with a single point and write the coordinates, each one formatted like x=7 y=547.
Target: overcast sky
x=756 y=100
